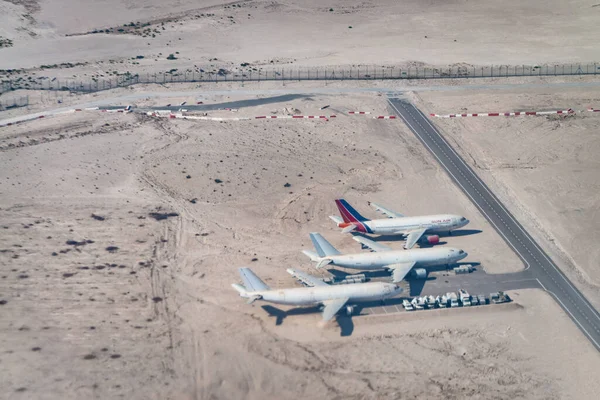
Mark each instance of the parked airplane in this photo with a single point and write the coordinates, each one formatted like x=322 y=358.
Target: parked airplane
x=414 y=228
x=399 y=261
x=332 y=297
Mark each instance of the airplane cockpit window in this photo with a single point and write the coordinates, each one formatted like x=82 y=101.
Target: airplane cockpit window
x=461 y=252
x=463 y=219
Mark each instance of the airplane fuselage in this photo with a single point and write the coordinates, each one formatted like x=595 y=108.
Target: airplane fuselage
x=359 y=292
x=442 y=223
x=379 y=260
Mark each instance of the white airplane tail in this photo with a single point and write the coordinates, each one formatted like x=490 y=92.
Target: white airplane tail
x=252 y=283
x=312 y=255
x=322 y=246
x=321 y=262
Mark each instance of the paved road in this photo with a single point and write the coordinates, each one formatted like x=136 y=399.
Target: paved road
x=537 y=263
x=475 y=283
x=168 y=93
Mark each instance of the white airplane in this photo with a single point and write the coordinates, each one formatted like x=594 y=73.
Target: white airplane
x=332 y=297
x=414 y=228
x=399 y=261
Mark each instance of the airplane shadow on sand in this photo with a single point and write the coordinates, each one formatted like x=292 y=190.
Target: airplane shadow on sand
x=344 y=321
x=416 y=285
x=399 y=238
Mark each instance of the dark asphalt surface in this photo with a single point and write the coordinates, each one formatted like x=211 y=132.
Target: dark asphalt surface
x=221 y=106
x=538 y=265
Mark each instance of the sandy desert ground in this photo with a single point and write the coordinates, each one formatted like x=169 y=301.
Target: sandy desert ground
x=120 y=234
x=103 y=299
x=291 y=33
x=545 y=167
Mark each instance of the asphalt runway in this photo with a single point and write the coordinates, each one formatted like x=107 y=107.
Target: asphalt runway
x=537 y=264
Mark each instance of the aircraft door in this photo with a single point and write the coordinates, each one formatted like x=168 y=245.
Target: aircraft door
x=281 y=295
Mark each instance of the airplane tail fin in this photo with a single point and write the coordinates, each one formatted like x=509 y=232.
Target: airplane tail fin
x=252 y=283
x=348 y=213
x=312 y=255
x=322 y=246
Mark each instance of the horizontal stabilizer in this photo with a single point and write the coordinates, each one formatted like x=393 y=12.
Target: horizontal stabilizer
x=323 y=263
x=312 y=255
x=241 y=290
x=349 y=228
x=252 y=299
x=336 y=219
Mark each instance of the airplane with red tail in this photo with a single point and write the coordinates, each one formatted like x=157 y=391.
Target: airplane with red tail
x=420 y=229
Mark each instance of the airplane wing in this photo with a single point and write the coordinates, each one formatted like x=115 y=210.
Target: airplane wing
x=332 y=307
x=386 y=211
x=400 y=270
x=371 y=244
x=308 y=280
x=412 y=237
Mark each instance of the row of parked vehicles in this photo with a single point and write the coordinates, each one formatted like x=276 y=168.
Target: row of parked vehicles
x=453 y=299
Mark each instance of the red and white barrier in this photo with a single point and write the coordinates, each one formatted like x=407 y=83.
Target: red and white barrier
x=294 y=116
x=385 y=117
x=18 y=120
x=359 y=112
x=157 y=113
x=179 y=116
x=505 y=114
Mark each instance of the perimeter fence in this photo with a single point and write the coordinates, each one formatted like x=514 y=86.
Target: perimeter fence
x=289 y=73
x=14 y=102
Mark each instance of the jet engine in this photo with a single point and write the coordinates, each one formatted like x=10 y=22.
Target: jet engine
x=429 y=239
x=419 y=273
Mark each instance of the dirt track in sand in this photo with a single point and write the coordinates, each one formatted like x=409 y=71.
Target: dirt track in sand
x=155 y=317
